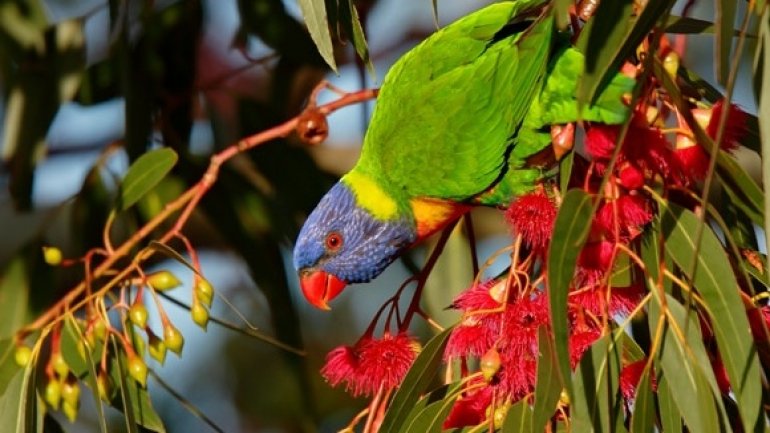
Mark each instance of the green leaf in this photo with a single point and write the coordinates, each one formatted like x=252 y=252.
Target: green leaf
x=689 y=25
x=314 y=12
x=596 y=405
x=643 y=417
x=417 y=414
x=519 y=419
x=570 y=232
x=670 y=418
x=18 y=406
x=715 y=280
x=431 y=418
x=14 y=297
x=683 y=360
x=354 y=29
x=611 y=36
x=725 y=18
x=565 y=170
x=73 y=331
x=416 y=381
x=761 y=78
x=146 y=172
x=745 y=193
x=135 y=401
x=548 y=387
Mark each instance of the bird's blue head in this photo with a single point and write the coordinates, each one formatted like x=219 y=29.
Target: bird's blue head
x=342 y=242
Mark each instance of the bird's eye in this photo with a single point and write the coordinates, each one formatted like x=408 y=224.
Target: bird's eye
x=333 y=241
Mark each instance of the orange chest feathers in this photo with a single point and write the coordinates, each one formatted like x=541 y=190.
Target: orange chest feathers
x=431 y=215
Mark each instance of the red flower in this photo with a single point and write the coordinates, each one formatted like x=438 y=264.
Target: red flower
x=521 y=323
x=477 y=331
x=630 y=376
x=517 y=376
x=600 y=141
x=532 y=217
x=735 y=127
x=594 y=261
x=470 y=409
x=630 y=176
x=580 y=341
x=594 y=299
x=630 y=212
x=371 y=364
x=693 y=160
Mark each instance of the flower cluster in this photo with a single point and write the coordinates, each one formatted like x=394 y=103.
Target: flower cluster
x=371 y=364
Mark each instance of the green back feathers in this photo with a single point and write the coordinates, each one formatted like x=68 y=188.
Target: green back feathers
x=448 y=109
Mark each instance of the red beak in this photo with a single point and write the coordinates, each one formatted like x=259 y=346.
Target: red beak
x=320 y=288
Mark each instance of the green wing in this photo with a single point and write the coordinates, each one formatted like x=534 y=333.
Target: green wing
x=448 y=109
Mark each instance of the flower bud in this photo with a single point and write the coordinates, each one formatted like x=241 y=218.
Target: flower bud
x=671 y=63
x=70 y=392
x=22 y=355
x=60 y=365
x=157 y=348
x=205 y=292
x=103 y=387
x=163 y=280
x=52 y=255
x=70 y=411
x=312 y=126
x=138 y=314
x=200 y=315
x=52 y=393
x=490 y=364
x=137 y=369
x=174 y=339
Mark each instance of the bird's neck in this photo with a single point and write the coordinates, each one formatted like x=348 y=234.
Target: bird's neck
x=371 y=196
x=432 y=215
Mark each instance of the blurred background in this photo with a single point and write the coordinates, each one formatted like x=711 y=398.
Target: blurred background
x=197 y=75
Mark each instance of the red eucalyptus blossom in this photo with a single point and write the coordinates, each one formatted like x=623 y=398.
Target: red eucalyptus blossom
x=630 y=376
x=532 y=217
x=625 y=215
x=471 y=408
x=371 y=364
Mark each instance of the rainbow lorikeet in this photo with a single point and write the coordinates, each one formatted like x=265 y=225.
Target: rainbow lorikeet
x=457 y=122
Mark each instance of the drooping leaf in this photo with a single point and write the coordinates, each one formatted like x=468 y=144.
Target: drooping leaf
x=314 y=12
x=716 y=282
x=682 y=359
x=133 y=400
x=725 y=18
x=570 y=232
x=416 y=381
x=643 y=417
x=14 y=297
x=761 y=78
x=18 y=406
x=144 y=174
x=430 y=418
x=519 y=419
x=670 y=418
x=548 y=387
x=352 y=24
x=561 y=12
x=596 y=405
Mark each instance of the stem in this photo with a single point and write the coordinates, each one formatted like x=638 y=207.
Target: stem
x=186 y=203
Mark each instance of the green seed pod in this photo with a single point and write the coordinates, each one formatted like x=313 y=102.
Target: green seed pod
x=22 y=355
x=157 y=347
x=200 y=315
x=70 y=392
x=70 y=410
x=205 y=292
x=52 y=255
x=490 y=364
x=103 y=386
x=163 y=280
x=52 y=393
x=174 y=339
x=60 y=365
x=138 y=315
x=137 y=369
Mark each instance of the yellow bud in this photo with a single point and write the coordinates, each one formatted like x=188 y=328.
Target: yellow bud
x=499 y=416
x=138 y=315
x=200 y=315
x=671 y=64
x=52 y=393
x=103 y=387
x=70 y=411
x=174 y=339
x=163 y=280
x=22 y=355
x=60 y=365
x=52 y=255
x=157 y=348
x=70 y=392
x=137 y=369
x=205 y=292
x=490 y=364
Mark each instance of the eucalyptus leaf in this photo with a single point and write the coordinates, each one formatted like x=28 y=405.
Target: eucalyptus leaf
x=146 y=172
x=314 y=12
